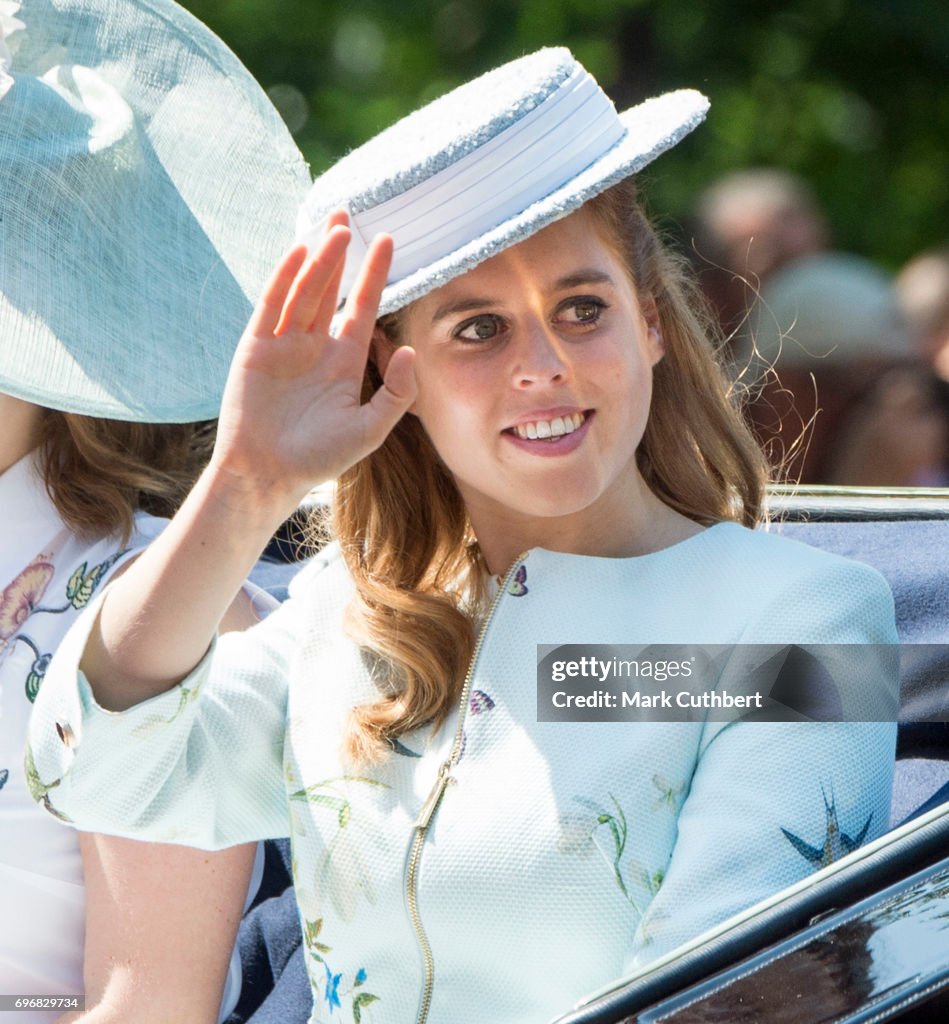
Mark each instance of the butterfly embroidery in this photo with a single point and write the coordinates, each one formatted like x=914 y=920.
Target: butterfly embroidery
x=480 y=701
x=518 y=585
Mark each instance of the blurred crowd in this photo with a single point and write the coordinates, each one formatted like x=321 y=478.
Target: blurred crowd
x=846 y=368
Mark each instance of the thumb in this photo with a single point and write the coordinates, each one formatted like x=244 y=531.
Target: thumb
x=390 y=403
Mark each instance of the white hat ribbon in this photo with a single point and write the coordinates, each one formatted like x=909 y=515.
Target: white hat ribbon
x=573 y=126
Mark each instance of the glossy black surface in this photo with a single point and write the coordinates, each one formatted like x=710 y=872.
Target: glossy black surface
x=875 y=960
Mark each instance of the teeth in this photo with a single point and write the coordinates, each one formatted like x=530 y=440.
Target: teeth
x=546 y=429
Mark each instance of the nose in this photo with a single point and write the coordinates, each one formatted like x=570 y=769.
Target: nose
x=539 y=357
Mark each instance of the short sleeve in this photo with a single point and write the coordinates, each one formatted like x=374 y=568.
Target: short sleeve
x=201 y=764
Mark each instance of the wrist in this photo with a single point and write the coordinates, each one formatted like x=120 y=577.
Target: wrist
x=259 y=500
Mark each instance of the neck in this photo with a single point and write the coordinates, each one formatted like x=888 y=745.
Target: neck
x=20 y=432
x=640 y=528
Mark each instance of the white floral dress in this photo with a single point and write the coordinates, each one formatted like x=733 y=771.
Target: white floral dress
x=47 y=576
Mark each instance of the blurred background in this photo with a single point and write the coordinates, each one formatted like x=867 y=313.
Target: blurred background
x=829 y=265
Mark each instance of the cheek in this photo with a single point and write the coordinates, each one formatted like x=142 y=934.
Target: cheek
x=450 y=392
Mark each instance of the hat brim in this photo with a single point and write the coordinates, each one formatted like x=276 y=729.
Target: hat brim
x=652 y=127
x=148 y=186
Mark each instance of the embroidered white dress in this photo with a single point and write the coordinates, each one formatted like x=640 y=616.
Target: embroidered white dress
x=47 y=576
x=562 y=853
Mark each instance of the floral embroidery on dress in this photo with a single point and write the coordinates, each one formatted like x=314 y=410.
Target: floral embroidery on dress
x=342 y=873
x=82 y=584
x=670 y=794
x=358 y=997
x=577 y=832
x=835 y=843
x=20 y=600
x=343 y=877
x=38 y=790
x=21 y=595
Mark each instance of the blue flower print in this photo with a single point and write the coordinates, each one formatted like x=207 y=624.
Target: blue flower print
x=332 y=988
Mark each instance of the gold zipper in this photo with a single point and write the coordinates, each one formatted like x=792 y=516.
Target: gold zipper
x=434 y=798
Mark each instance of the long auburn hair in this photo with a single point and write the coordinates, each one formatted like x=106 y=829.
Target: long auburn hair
x=100 y=472
x=404 y=530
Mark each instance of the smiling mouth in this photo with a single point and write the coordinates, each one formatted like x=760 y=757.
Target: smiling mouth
x=548 y=430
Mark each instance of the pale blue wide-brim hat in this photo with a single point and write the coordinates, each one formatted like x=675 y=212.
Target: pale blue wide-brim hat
x=147 y=188
x=488 y=165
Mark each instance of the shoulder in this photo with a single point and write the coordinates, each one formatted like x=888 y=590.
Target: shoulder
x=819 y=593
x=781 y=561
x=318 y=591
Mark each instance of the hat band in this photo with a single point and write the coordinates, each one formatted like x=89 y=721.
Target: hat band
x=563 y=135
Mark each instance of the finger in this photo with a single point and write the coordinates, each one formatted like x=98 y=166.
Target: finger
x=391 y=401
x=308 y=290
x=266 y=315
x=330 y=303
x=362 y=303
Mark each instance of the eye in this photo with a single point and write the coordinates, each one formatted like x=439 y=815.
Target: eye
x=583 y=311
x=480 y=328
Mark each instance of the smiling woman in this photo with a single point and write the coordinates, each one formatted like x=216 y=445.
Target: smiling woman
x=534 y=446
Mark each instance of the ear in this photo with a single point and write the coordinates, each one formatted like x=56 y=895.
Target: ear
x=655 y=346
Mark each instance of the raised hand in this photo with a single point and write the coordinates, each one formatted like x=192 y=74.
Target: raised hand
x=291 y=416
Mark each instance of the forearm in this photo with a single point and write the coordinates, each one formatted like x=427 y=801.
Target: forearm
x=159 y=617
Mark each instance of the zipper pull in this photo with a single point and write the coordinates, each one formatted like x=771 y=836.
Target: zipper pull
x=434 y=798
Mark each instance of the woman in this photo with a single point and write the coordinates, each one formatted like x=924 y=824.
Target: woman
x=117 y=241
x=541 y=452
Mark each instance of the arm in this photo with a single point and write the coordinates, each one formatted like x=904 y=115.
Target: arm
x=206 y=770
x=161 y=922
x=156 y=911
x=771 y=802
x=291 y=418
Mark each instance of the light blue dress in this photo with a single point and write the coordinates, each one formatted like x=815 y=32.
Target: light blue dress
x=560 y=855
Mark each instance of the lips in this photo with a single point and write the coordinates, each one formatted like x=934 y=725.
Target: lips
x=551 y=434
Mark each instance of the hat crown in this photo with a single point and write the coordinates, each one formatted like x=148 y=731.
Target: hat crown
x=487 y=165
x=440 y=133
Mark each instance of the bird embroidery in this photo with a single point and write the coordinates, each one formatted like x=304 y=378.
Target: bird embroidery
x=836 y=842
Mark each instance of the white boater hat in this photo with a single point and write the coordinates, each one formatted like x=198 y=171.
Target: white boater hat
x=147 y=187
x=488 y=165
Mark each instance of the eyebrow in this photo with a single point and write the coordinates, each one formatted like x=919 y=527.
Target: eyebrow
x=574 y=280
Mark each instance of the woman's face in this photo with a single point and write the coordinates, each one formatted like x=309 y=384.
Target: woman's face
x=534 y=379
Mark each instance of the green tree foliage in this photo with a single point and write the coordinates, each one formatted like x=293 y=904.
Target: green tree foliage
x=852 y=94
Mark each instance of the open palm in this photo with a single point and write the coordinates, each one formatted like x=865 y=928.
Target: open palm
x=291 y=416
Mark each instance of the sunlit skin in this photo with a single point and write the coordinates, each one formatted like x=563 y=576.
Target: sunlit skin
x=21 y=429
x=552 y=327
